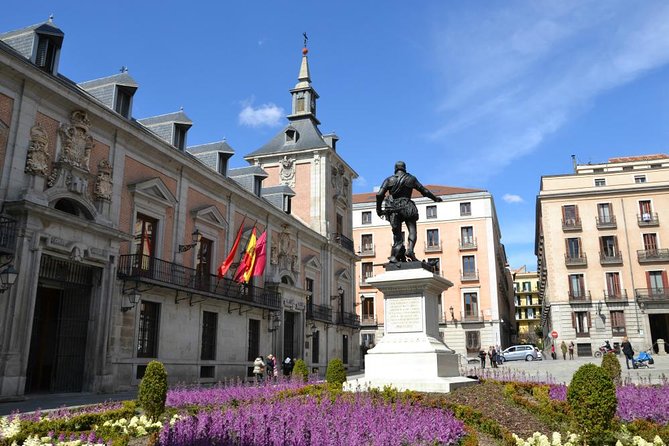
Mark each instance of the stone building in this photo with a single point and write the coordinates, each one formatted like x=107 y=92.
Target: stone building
x=461 y=236
x=601 y=243
x=117 y=228
x=528 y=306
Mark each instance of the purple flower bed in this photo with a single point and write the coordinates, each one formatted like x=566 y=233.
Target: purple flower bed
x=306 y=421
x=65 y=412
x=558 y=392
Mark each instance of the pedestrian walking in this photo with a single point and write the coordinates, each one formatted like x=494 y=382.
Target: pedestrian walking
x=628 y=351
x=564 y=349
x=271 y=364
x=482 y=355
x=259 y=368
x=571 y=350
x=493 y=357
x=553 y=355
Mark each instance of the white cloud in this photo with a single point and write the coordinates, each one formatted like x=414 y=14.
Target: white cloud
x=266 y=115
x=360 y=182
x=511 y=198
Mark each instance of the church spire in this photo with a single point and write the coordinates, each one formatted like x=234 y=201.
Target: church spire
x=304 y=95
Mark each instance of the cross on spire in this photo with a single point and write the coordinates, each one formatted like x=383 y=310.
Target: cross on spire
x=305 y=38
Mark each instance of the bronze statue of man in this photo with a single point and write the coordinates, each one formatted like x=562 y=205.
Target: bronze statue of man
x=399 y=208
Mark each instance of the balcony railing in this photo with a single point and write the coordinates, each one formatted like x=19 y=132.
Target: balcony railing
x=652 y=294
x=8 y=229
x=344 y=242
x=580 y=297
x=468 y=316
x=653 y=255
x=572 y=224
x=367 y=250
x=433 y=247
x=575 y=259
x=610 y=258
x=367 y=320
x=469 y=276
x=608 y=222
x=615 y=296
x=141 y=268
x=348 y=319
x=467 y=244
x=319 y=312
x=648 y=219
x=364 y=277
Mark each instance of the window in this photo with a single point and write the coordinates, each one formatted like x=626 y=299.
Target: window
x=638 y=179
x=253 y=339
x=147 y=343
x=527 y=286
x=657 y=281
x=471 y=305
x=123 y=99
x=209 y=326
x=645 y=210
x=580 y=320
x=340 y=224
x=431 y=211
x=367 y=339
x=435 y=262
x=467 y=236
x=46 y=53
x=257 y=186
x=292 y=135
x=367 y=270
x=222 y=163
x=299 y=105
x=618 y=323
x=367 y=218
x=600 y=182
x=604 y=213
x=465 y=209
x=433 y=238
x=204 y=258
x=344 y=349
x=315 y=348
x=180 y=136
x=650 y=242
x=367 y=308
x=570 y=215
x=576 y=287
x=145 y=235
x=468 y=265
x=574 y=248
x=608 y=244
x=613 y=285
x=287 y=204
x=366 y=243
x=473 y=341
x=530 y=313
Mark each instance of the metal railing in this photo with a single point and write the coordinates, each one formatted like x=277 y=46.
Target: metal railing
x=8 y=230
x=433 y=247
x=615 y=296
x=575 y=259
x=609 y=258
x=648 y=219
x=365 y=276
x=467 y=243
x=367 y=250
x=367 y=320
x=580 y=296
x=319 y=312
x=653 y=255
x=466 y=276
x=608 y=222
x=467 y=316
x=142 y=268
x=348 y=319
x=344 y=242
x=652 y=294
x=572 y=224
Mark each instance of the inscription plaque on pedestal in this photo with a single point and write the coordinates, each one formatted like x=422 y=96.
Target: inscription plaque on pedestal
x=403 y=315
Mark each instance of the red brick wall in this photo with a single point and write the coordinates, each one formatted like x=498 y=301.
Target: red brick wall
x=6 y=104
x=197 y=200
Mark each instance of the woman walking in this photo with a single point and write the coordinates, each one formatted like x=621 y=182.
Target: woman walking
x=628 y=351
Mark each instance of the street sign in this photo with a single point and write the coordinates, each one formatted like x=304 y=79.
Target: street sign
x=554 y=334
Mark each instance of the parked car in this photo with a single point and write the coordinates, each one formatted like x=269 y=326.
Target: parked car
x=520 y=352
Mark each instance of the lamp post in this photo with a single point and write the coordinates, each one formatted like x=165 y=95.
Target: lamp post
x=132 y=298
x=195 y=237
x=7 y=278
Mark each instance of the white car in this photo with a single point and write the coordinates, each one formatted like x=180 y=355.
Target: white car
x=520 y=352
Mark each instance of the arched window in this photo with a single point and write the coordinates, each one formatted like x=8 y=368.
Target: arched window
x=73 y=208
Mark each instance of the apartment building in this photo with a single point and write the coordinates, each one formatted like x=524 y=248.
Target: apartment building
x=113 y=229
x=461 y=236
x=528 y=305
x=602 y=242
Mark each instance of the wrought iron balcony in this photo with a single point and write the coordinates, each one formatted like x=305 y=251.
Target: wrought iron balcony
x=368 y=320
x=367 y=250
x=467 y=244
x=469 y=276
x=150 y=270
x=432 y=246
x=472 y=316
x=344 y=241
x=348 y=319
x=580 y=297
x=608 y=222
x=579 y=259
x=610 y=257
x=8 y=230
x=321 y=313
x=364 y=277
x=572 y=224
x=653 y=255
x=652 y=294
x=615 y=296
x=648 y=219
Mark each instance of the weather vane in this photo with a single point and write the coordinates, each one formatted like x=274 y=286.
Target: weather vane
x=305 y=38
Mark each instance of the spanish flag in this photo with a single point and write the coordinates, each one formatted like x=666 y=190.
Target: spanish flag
x=261 y=255
x=245 y=268
x=225 y=266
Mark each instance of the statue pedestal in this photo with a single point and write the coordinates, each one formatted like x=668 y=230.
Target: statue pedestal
x=411 y=355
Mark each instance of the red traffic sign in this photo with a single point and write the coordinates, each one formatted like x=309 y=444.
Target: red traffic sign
x=554 y=334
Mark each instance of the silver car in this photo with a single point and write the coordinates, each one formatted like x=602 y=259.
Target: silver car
x=520 y=352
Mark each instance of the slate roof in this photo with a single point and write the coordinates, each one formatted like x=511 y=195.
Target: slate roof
x=118 y=79
x=310 y=137
x=44 y=27
x=370 y=197
x=249 y=170
x=219 y=146
x=178 y=117
x=282 y=189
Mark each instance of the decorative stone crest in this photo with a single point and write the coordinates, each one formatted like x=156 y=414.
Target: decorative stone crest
x=76 y=140
x=284 y=253
x=339 y=182
x=37 y=160
x=287 y=171
x=103 y=182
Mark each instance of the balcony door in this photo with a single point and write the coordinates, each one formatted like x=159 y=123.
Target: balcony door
x=144 y=242
x=650 y=242
x=613 y=284
x=203 y=266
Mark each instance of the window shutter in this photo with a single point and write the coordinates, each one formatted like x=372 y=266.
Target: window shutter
x=665 y=283
x=566 y=247
x=564 y=214
x=571 y=287
x=576 y=211
x=573 y=320
x=589 y=321
x=648 y=280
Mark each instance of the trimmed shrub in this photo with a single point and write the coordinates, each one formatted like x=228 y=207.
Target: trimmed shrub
x=153 y=390
x=611 y=365
x=592 y=404
x=301 y=369
x=336 y=373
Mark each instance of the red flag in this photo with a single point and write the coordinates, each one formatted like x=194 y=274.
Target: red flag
x=245 y=268
x=225 y=266
x=261 y=255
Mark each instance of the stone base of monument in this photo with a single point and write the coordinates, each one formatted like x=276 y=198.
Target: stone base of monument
x=410 y=356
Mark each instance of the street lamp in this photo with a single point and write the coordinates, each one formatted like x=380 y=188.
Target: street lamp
x=132 y=298
x=7 y=278
x=195 y=237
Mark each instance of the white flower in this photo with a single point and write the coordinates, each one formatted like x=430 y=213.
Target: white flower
x=9 y=428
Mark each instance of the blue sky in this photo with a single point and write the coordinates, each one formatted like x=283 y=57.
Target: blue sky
x=487 y=95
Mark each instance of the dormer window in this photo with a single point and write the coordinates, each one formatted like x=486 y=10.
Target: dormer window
x=123 y=100
x=257 y=185
x=45 y=58
x=180 y=136
x=287 y=204
x=292 y=136
x=223 y=163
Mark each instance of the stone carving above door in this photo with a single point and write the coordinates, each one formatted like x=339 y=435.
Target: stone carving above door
x=37 y=160
x=76 y=140
x=103 y=182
